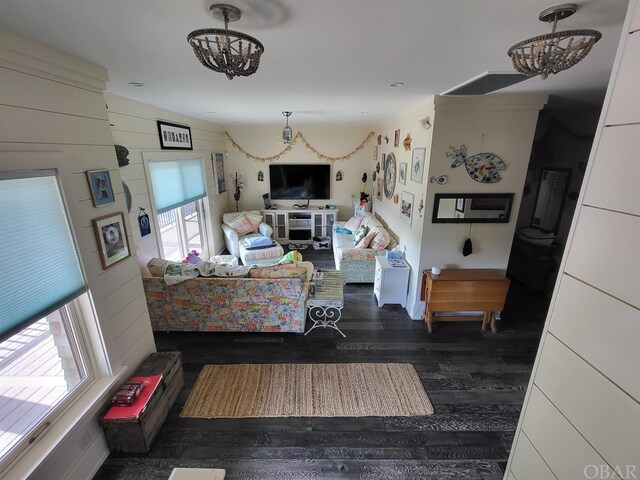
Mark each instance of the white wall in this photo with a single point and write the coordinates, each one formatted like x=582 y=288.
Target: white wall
x=133 y=125
x=581 y=416
x=508 y=124
x=53 y=103
x=265 y=141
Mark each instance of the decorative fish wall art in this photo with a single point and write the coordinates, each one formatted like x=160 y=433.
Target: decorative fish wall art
x=482 y=167
x=440 y=180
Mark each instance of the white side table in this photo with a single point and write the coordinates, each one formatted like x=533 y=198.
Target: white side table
x=391 y=283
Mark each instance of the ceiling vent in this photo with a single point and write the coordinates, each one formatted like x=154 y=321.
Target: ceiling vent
x=486 y=83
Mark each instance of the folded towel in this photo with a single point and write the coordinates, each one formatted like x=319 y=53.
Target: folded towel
x=253 y=242
x=343 y=230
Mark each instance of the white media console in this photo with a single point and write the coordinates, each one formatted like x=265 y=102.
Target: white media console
x=300 y=225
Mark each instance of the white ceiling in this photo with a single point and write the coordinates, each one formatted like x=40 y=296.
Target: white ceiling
x=326 y=60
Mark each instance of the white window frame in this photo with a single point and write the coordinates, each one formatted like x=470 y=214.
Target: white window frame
x=208 y=173
x=89 y=395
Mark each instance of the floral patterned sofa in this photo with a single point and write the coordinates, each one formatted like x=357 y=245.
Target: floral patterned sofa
x=358 y=265
x=266 y=302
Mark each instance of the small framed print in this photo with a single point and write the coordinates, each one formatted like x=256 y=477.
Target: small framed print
x=143 y=223
x=101 y=188
x=396 y=138
x=406 y=207
x=417 y=164
x=375 y=153
x=460 y=204
x=403 y=173
x=111 y=236
x=218 y=172
x=174 y=136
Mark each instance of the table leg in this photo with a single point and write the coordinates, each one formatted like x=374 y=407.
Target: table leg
x=429 y=321
x=493 y=322
x=485 y=320
x=325 y=317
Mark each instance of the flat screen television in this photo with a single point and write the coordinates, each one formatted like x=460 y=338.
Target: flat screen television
x=300 y=182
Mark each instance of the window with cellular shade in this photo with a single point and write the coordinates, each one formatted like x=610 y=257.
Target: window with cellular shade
x=176 y=182
x=39 y=266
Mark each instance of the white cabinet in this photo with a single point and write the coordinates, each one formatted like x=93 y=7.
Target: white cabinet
x=300 y=225
x=390 y=283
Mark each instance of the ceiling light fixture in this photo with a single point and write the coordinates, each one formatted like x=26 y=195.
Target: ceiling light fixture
x=226 y=51
x=287 y=133
x=556 y=51
x=397 y=84
x=136 y=84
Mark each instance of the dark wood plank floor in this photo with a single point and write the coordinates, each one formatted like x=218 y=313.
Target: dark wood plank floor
x=476 y=383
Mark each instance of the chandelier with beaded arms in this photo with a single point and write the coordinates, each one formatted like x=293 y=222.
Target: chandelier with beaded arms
x=235 y=54
x=556 y=51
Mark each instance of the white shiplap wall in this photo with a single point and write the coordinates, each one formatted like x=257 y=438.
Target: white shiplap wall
x=134 y=126
x=581 y=417
x=53 y=115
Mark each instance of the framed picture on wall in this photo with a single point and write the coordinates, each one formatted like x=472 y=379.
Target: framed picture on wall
x=101 y=188
x=111 y=236
x=218 y=172
x=417 y=164
x=460 y=204
x=174 y=136
x=403 y=173
x=406 y=207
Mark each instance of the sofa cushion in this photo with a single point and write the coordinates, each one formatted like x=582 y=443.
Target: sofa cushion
x=353 y=223
x=366 y=240
x=226 y=270
x=279 y=271
x=360 y=234
x=157 y=266
x=241 y=225
x=381 y=239
x=255 y=219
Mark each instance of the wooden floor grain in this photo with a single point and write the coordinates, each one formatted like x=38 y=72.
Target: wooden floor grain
x=475 y=381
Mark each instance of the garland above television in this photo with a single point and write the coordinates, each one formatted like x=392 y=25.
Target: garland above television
x=299 y=136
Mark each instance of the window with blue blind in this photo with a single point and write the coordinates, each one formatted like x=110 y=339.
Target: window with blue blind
x=34 y=226
x=176 y=182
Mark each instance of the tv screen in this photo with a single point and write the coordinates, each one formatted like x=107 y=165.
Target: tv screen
x=296 y=182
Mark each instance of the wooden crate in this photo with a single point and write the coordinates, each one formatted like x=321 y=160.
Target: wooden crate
x=137 y=435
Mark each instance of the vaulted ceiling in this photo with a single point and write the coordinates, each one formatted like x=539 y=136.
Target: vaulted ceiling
x=328 y=61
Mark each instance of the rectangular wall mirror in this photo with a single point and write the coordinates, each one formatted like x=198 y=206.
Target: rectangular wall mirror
x=472 y=207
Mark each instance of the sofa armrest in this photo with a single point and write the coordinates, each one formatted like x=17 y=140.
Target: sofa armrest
x=265 y=230
x=231 y=240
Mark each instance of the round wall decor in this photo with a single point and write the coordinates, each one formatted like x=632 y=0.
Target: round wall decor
x=390 y=175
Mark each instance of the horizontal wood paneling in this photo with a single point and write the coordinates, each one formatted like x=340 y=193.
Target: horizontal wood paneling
x=24 y=90
x=527 y=464
x=24 y=125
x=597 y=408
x=564 y=450
x=600 y=329
x=604 y=252
x=625 y=102
x=621 y=147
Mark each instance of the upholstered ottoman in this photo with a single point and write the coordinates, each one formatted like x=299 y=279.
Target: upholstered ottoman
x=261 y=256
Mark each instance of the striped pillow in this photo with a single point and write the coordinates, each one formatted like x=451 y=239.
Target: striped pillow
x=353 y=223
x=381 y=240
x=241 y=225
x=366 y=240
x=255 y=219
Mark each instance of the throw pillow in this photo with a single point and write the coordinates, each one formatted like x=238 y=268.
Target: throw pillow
x=366 y=240
x=360 y=234
x=278 y=271
x=381 y=240
x=241 y=225
x=157 y=266
x=230 y=271
x=353 y=223
x=255 y=219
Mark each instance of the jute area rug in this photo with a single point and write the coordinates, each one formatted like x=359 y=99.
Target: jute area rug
x=307 y=390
